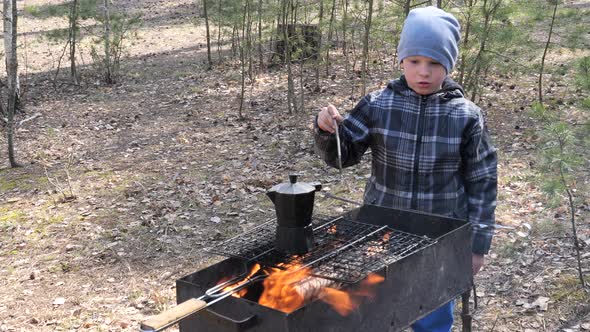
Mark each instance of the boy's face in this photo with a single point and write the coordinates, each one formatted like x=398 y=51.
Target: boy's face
x=423 y=74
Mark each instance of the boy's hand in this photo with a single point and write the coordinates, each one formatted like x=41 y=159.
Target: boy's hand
x=326 y=118
x=477 y=262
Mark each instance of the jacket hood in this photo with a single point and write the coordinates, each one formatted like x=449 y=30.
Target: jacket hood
x=450 y=89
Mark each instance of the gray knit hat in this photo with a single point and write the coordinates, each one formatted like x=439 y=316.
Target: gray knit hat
x=430 y=32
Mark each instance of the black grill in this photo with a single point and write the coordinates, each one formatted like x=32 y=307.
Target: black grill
x=425 y=261
x=345 y=251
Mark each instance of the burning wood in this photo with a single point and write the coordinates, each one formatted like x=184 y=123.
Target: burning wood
x=313 y=287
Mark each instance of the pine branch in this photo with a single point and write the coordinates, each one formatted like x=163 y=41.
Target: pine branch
x=572 y=209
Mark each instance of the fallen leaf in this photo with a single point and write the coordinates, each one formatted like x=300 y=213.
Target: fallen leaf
x=77 y=312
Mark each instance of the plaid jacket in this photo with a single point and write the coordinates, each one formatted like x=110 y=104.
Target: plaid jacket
x=429 y=153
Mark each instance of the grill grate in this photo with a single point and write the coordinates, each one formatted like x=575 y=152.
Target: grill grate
x=257 y=241
x=344 y=250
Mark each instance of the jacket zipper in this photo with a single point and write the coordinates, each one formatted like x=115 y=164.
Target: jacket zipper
x=416 y=178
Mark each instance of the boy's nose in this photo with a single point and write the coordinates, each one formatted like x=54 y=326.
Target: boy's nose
x=423 y=71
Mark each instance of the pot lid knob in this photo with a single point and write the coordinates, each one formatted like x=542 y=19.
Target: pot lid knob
x=293 y=178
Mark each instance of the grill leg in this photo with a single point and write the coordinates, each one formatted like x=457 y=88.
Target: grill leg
x=465 y=313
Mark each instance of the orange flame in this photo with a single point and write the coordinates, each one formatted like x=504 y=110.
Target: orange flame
x=242 y=292
x=341 y=301
x=332 y=229
x=345 y=302
x=279 y=289
x=386 y=237
x=283 y=289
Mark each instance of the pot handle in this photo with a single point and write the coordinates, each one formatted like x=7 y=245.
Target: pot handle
x=317 y=185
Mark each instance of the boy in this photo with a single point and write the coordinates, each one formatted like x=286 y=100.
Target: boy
x=430 y=150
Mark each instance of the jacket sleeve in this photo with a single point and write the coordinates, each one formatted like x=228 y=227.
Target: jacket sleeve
x=354 y=137
x=481 y=182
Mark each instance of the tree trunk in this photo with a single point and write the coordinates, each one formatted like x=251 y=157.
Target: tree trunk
x=344 y=24
x=279 y=32
x=73 y=31
x=260 y=55
x=243 y=89
x=295 y=11
x=107 y=47
x=319 y=52
x=233 y=41
x=364 y=66
x=329 y=41
x=242 y=61
x=290 y=74
x=209 y=62
x=219 y=27
x=466 y=42
x=249 y=40
x=407 y=7
x=301 y=88
x=287 y=57
x=489 y=17
x=10 y=34
x=540 y=87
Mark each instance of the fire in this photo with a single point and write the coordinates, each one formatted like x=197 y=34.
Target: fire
x=289 y=287
x=345 y=302
x=341 y=301
x=367 y=285
x=377 y=247
x=280 y=291
x=332 y=229
x=242 y=292
x=386 y=237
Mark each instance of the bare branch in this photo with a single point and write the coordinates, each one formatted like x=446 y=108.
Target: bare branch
x=34 y=116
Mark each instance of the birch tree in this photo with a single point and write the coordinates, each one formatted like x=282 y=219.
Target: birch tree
x=10 y=33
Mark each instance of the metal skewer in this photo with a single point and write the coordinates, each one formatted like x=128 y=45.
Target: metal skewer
x=338 y=148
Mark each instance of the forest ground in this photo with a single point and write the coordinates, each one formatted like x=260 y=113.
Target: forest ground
x=161 y=168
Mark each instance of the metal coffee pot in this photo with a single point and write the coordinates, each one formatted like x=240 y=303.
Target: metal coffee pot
x=294 y=208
